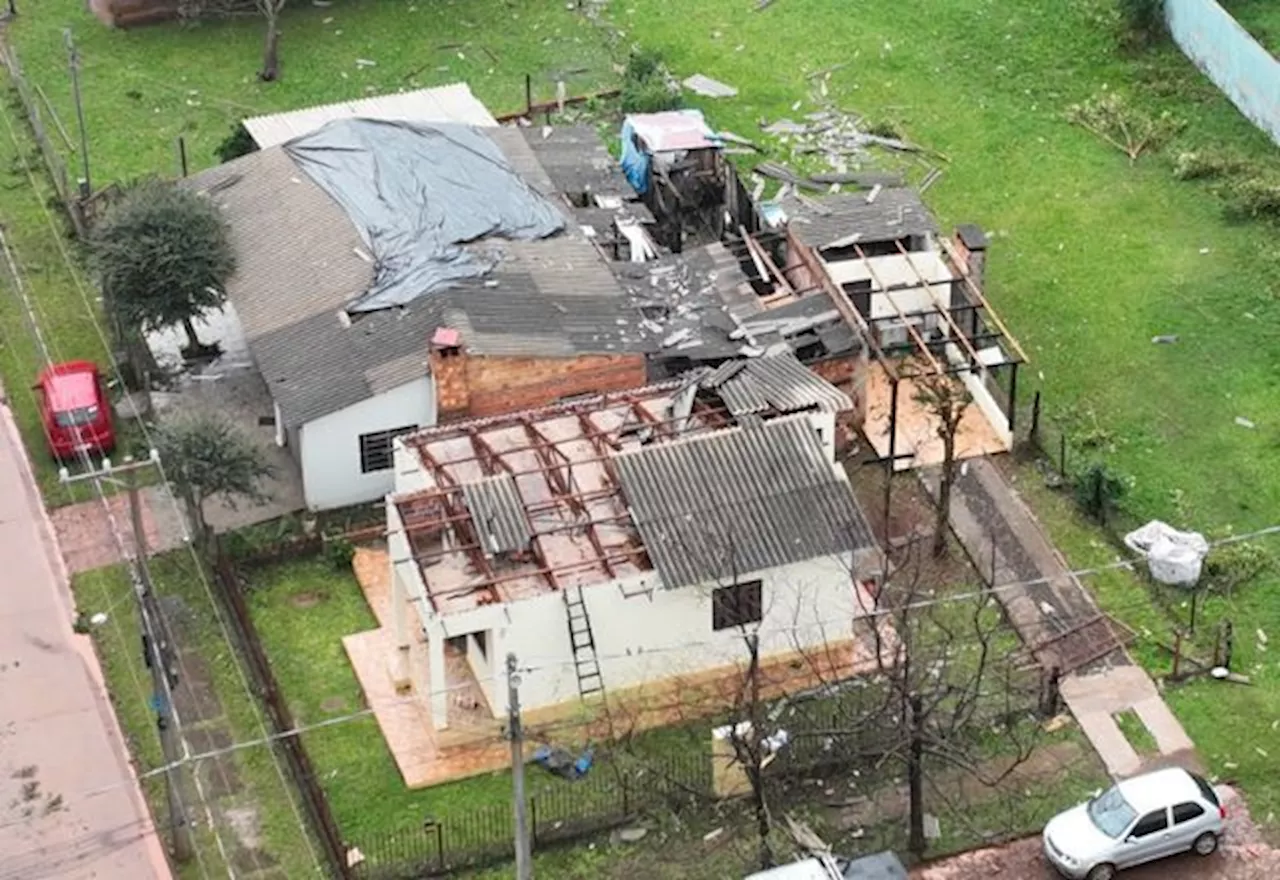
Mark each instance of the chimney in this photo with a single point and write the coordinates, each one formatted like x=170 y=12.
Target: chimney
x=447 y=359
x=971 y=244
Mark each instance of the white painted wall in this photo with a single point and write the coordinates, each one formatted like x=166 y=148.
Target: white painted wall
x=982 y=396
x=644 y=635
x=893 y=270
x=330 y=446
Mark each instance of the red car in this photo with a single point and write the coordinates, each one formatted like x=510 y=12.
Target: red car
x=75 y=410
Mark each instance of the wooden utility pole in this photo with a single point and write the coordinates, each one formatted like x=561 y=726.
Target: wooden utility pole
x=524 y=870
x=73 y=62
x=157 y=653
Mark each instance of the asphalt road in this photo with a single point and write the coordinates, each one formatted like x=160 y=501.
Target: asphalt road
x=1243 y=856
x=69 y=803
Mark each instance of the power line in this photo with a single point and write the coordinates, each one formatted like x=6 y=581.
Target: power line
x=91 y=313
x=148 y=624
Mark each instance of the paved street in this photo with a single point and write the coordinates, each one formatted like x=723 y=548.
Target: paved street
x=59 y=741
x=1243 y=857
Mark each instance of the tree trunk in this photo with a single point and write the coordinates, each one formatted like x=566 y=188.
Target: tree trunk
x=756 y=753
x=915 y=779
x=193 y=341
x=271 y=51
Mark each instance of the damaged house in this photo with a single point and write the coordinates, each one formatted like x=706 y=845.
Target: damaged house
x=392 y=275
x=596 y=537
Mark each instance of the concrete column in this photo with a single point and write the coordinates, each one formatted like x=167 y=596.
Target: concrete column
x=401 y=675
x=439 y=680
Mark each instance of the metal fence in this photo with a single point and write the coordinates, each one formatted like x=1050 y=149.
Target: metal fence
x=609 y=796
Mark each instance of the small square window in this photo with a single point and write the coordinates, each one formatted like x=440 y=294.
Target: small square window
x=375 y=448
x=737 y=605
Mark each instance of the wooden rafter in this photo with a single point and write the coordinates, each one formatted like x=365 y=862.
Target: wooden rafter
x=942 y=307
x=554 y=464
x=990 y=314
x=910 y=328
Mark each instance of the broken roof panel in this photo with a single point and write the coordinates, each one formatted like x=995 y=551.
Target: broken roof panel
x=498 y=514
x=895 y=212
x=714 y=507
x=451 y=103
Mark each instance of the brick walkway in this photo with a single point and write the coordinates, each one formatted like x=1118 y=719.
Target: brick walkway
x=1000 y=531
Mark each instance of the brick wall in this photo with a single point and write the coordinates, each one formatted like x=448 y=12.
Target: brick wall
x=498 y=385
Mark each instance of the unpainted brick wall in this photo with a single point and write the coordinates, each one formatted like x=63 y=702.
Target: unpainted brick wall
x=504 y=384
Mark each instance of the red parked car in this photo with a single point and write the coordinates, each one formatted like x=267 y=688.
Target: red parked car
x=74 y=409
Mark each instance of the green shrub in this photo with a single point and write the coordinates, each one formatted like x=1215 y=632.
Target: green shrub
x=1098 y=491
x=647 y=85
x=1230 y=565
x=1142 y=21
x=1252 y=197
x=339 y=552
x=236 y=144
x=1208 y=165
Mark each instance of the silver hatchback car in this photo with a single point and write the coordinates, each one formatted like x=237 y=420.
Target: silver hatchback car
x=1138 y=820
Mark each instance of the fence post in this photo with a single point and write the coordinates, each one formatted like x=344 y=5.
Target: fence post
x=1062 y=456
x=533 y=821
x=626 y=795
x=1035 y=420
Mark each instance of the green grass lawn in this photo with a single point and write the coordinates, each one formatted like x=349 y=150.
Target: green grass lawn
x=128 y=681
x=144 y=88
x=1091 y=257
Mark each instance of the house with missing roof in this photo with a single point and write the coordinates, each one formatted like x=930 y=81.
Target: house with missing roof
x=394 y=271
x=624 y=544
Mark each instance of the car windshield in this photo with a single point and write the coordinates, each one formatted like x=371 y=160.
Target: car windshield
x=1111 y=812
x=75 y=418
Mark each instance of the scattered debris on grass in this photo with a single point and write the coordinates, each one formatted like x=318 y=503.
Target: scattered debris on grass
x=1129 y=129
x=708 y=87
x=1245 y=423
x=1167 y=339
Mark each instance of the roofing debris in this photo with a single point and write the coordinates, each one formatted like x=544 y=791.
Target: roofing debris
x=708 y=87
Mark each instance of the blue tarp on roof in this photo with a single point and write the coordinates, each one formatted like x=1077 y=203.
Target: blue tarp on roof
x=416 y=192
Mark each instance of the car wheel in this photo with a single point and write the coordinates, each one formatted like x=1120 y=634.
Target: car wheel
x=1205 y=844
x=1102 y=872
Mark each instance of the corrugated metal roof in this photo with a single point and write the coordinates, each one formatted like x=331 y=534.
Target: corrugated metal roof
x=896 y=213
x=716 y=506
x=776 y=382
x=498 y=513
x=451 y=103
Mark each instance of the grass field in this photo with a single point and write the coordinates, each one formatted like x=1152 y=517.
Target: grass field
x=249 y=779
x=1091 y=256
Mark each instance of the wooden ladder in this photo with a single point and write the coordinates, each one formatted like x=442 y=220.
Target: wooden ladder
x=583 y=642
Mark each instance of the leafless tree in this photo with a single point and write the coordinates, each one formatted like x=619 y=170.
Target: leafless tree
x=946 y=401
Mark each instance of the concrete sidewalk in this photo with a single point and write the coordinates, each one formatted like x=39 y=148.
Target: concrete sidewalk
x=1000 y=531
x=70 y=805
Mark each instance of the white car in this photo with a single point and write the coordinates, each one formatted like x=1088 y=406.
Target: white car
x=1138 y=820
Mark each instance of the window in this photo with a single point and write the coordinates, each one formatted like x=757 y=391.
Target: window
x=737 y=605
x=375 y=448
x=1206 y=789
x=1151 y=823
x=1186 y=812
x=1111 y=813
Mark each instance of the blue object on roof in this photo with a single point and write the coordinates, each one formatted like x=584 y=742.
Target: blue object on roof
x=635 y=162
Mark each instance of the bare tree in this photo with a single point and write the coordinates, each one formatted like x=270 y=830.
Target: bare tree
x=946 y=401
x=271 y=10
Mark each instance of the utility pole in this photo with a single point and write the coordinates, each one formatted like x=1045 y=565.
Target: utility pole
x=524 y=870
x=73 y=62
x=157 y=652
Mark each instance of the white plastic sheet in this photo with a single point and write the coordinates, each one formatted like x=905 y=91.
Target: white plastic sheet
x=1173 y=557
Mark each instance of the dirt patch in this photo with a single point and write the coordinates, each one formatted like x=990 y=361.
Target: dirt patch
x=247 y=825
x=309 y=599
